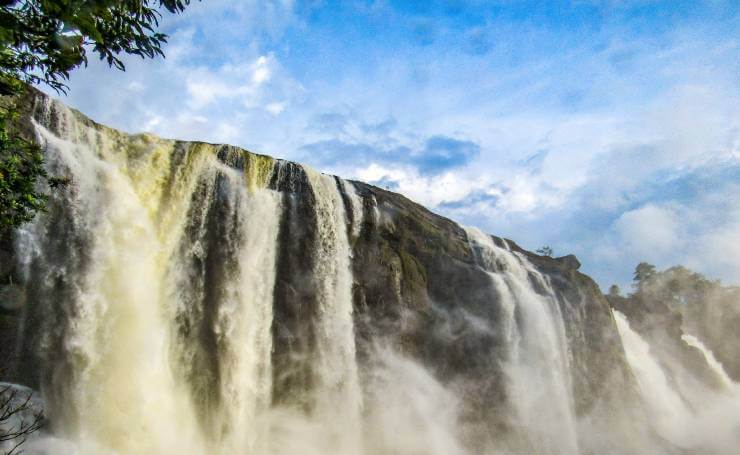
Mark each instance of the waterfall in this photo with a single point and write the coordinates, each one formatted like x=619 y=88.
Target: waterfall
x=665 y=405
x=115 y=336
x=712 y=428
x=712 y=361
x=154 y=273
x=195 y=298
x=539 y=384
x=338 y=391
x=243 y=322
x=166 y=263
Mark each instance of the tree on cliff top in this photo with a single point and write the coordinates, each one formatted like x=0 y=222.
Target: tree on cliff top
x=644 y=272
x=614 y=291
x=41 y=41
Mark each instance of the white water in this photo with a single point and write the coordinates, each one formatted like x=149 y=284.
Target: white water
x=125 y=389
x=356 y=206
x=244 y=321
x=119 y=338
x=665 y=405
x=712 y=361
x=410 y=412
x=714 y=427
x=339 y=397
x=538 y=366
x=133 y=337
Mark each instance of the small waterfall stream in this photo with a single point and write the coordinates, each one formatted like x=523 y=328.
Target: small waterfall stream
x=665 y=405
x=712 y=428
x=539 y=383
x=716 y=367
x=338 y=393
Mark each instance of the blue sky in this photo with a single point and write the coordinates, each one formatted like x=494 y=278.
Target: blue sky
x=608 y=129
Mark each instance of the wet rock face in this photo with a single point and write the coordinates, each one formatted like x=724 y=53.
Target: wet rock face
x=12 y=300
x=417 y=282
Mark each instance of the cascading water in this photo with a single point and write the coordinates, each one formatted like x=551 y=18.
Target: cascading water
x=167 y=332
x=115 y=338
x=716 y=367
x=335 y=342
x=665 y=405
x=713 y=428
x=539 y=386
x=338 y=397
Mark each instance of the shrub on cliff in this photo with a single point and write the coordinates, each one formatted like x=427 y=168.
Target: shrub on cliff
x=41 y=41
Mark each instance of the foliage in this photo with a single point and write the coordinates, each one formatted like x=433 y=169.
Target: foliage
x=19 y=418
x=41 y=41
x=21 y=167
x=545 y=251
x=678 y=301
x=644 y=272
x=676 y=286
x=614 y=290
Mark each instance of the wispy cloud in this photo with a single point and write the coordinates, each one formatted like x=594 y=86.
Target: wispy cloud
x=601 y=128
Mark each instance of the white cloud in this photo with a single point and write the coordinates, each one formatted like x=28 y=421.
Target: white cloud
x=275 y=108
x=245 y=83
x=701 y=232
x=429 y=191
x=261 y=70
x=649 y=231
x=204 y=91
x=135 y=86
x=720 y=251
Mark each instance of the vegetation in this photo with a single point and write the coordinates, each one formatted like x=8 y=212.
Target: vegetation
x=41 y=41
x=693 y=303
x=545 y=251
x=19 y=418
x=644 y=273
x=676 y=286
x=614 y=291
x=21 y=167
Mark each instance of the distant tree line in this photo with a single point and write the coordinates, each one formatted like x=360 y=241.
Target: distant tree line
x=699 y=306
x=676 y=284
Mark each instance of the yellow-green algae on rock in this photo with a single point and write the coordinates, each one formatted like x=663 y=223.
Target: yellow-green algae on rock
x=257 y=170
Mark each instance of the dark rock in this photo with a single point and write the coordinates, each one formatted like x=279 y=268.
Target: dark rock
x=12 y=298
x=570 y=261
